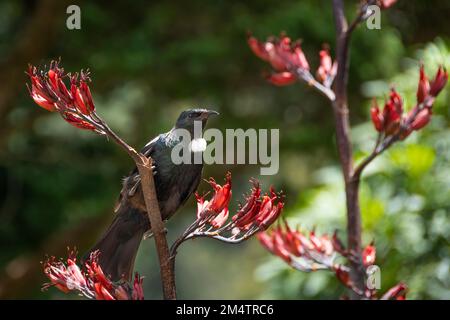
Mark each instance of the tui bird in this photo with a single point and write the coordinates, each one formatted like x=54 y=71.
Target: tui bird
x=174 y=184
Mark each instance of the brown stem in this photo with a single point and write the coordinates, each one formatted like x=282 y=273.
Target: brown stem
x=375 y=152
x=144 y=166
x=340 y=107
x=154 y=215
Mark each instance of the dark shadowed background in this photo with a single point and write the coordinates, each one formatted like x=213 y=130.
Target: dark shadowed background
x=149 y=61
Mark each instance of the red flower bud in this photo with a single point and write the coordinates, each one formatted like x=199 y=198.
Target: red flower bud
x=377 y=117
x=439 y=81
x=138 y=291
x=279 y=247
x=266 y=240
x=258 y=48
x=424 y=86
x=422 y=119
x=314 y=240
x=282 y=79
x=326 y=68
x=337 y=244
x=245 y=217
x=292 y=242
x=39 y=91
x=53 y=77
x=41 y=100
x=250 y=203
x=392 y=113
x=76 y=121
x=368 y=255
x=202 y=205
x=220 y=219
x=276 y=60
x=343 y=275
x=222 y=195
x=273 y=215
x=396 y=103
x=265 y=209
x=326 y=245
x=298 y=58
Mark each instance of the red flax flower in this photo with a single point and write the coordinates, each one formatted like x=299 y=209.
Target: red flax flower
x=74 y=103
x=423 y=88
x=327 y=69
x=369 y=254
x=392 y=122
x=256 y=214
x=289 y=62
x=306 y=251
x=222 y=195
x=89 y=280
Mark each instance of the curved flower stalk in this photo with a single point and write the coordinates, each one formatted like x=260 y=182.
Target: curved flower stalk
x=256 y=214
x=290 y=64
x=89 y=280
x=306 y=251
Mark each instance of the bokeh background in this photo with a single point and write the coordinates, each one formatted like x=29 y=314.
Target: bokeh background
x=149 y=61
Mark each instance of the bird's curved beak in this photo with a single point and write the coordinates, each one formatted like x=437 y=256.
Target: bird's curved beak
x=208 y=113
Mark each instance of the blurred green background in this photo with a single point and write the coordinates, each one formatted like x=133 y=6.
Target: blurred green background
x=150 y=61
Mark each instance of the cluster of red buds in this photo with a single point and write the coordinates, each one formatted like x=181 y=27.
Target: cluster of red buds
x=290 y=63
x=305 y=251
x=393 y=123
x=74 y=103
x=256 y=214
x=89 y=281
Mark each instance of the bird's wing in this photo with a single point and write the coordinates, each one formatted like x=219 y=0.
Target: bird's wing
x=133 y=180
x=149 y=147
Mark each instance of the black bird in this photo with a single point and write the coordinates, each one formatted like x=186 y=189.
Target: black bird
x=174 y=184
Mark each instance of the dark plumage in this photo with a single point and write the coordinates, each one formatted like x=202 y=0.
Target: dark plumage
x=174 y=184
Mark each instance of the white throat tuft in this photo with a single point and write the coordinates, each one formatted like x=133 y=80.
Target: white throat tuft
x=197 y=145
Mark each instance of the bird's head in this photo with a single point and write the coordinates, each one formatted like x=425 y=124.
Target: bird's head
x=188 y=117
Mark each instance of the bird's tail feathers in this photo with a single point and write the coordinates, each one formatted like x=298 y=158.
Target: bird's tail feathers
x=119 y=245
